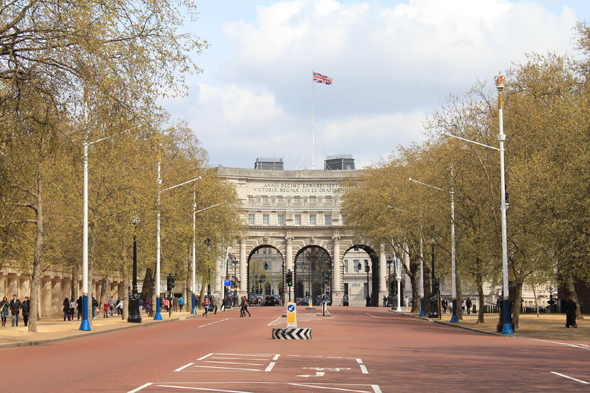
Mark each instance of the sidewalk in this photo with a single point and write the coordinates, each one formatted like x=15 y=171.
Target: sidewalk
x=55 y=329
x=544 y=327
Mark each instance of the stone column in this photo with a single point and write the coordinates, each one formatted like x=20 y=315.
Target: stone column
x=45 y=302
x=243 y=269
x=289 y=253
x=337 y=291
x=25 y=288
x=382 y=273
x=56 y=297
x=12 y=286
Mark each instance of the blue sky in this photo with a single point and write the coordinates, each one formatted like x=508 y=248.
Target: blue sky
x=393 y=63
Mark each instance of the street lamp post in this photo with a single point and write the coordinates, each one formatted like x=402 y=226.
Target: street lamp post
x=507 y=328
x=398 y=278
x=235 y=263
x=433 y=296
x=134 y=315
x=367 y=270
x=158 y=316
x=389 y=264
x=454 y=318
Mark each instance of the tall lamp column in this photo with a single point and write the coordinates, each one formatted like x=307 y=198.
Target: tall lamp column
x=134 y=315
x=433 y=296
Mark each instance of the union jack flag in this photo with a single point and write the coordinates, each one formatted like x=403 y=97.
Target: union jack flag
x=319 y=78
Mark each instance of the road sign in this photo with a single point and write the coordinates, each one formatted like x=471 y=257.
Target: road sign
x=327 y=289
x=227 y=283
x=291 y=315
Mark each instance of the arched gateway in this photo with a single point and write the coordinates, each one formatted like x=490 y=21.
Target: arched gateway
x=293 y=210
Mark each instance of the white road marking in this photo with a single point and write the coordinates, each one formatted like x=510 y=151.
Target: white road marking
x=183 y=367
x=245 y=354
x=359 y=361
x=568 y=377
x=276 y=357
x=554 y=342
x=372 y=315
x=376 y=388
x=270 y=366
x=364 y=369
x=324 y=368
x=204 y=357
x=275 y=321
x=225 y=358
x=246 y=364
x=229 y=368
x=210 y=390
x=317 y=374
x=139 y=388
x=334 y=357
x=297 y=356
x=327 y=387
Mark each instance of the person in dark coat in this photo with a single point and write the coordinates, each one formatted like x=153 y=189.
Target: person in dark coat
x=66 y=309
x=80 y=306
x=570 y=313
x=26 y=306
x=14 y=309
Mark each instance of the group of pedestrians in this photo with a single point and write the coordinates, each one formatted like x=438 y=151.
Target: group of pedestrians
x=244 y=307
x=14 y=307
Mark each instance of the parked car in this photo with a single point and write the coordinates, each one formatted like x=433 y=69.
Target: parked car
x=278 y=300
x=269 y=301
x=259 y=299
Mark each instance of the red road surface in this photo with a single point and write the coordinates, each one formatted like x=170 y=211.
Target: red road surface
x=357 y=350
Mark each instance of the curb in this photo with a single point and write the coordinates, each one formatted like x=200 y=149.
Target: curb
x=456 y=325
x=19 y=344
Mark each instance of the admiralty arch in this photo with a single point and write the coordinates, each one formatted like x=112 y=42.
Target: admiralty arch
x=289 y=212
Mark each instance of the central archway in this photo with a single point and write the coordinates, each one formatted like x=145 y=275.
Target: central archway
x=312 y=274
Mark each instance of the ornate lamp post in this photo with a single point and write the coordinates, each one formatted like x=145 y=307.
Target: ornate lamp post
x=433 y=296
x=367 y=270
x=134 y=315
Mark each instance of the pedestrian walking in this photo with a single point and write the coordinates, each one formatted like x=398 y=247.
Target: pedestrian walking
x=119 y=306
x=468 y=304
x=166 y=304
x=26 y=306
x=242 y=306
x=180 y=303
x=148 y=305
x=215 y=305
x=246 y=307
x=140 y=305
x=72 y=309
x=14 y=309
x=445 y=304
x=80 y=304
x=406 y=302
x=94 y=307
x=384 y=301
x=570 y=313
x=463 y=307
x=206 y=305
x=4 y=307
x=106 y=310
x=111 y=306
x=345 y=300
x=66 y=309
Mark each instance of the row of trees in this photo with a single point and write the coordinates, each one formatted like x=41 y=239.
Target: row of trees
x=93 y=70
x=546 y=106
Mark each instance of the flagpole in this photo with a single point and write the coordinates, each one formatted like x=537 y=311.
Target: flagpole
x=312 y=122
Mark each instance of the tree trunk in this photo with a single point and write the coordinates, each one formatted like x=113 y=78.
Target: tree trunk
x=147 y=290
x=201 y=294
x=127 y=289
x=459 y=295
x=427 y=288
x=74 y=282
x=90 y=266
x=36 y=278
x=104 y=290
x=482 y=300
x=570 y=290
x=516 y=301
x=536 y=300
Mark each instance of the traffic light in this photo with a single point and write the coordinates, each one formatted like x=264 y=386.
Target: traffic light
x=327 y=279
x=289 y=278
x=173 y=280
x=169 y=283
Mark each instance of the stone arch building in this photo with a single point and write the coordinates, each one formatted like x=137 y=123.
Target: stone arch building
x=292 y=209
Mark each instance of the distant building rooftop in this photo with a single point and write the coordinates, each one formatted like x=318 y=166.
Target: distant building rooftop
x=269 y=164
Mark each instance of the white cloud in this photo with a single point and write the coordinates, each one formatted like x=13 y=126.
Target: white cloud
x=391 y=67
